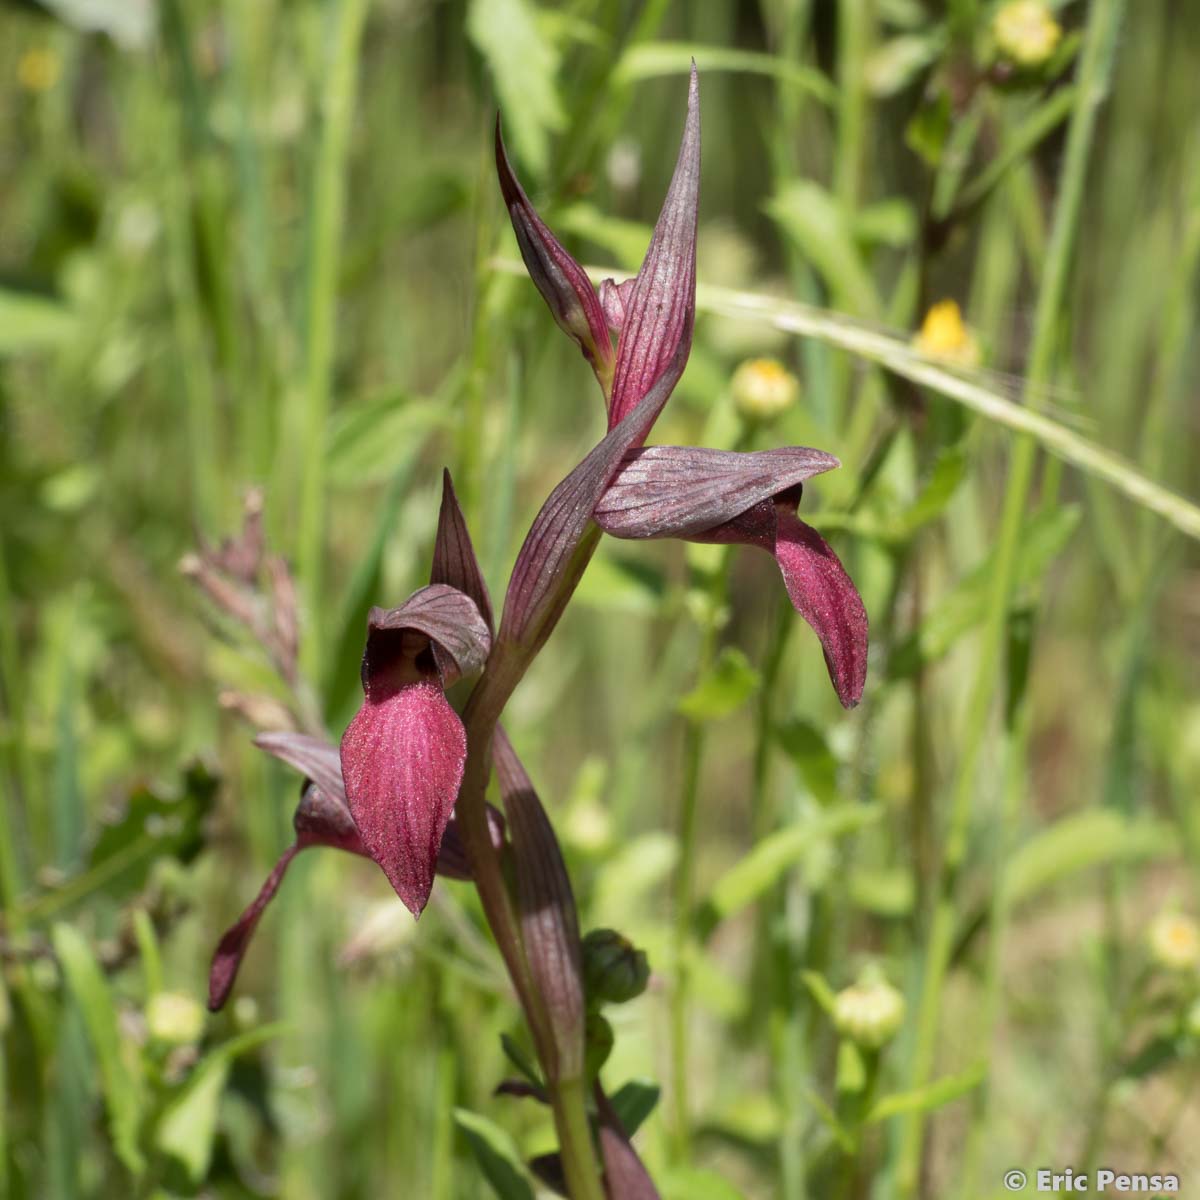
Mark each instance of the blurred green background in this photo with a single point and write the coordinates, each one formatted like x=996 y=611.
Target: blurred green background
x=261 y=244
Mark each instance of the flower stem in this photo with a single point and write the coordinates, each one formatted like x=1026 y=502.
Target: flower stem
x=580 y=1166
x=1099 y=46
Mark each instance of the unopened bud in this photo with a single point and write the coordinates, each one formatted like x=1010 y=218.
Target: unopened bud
x=598 y=1043
x=614 y=970
x=1026 y=33
x=763 y=388
x=1175 y=942
x=174 y=1018
x=869 y=1012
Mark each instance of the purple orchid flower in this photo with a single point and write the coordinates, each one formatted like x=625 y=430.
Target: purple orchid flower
x=631 y=491
x=403 y=753
x=322 y=818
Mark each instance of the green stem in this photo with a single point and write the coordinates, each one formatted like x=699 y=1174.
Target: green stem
x=569 y=1101
x=337 y=104
x=1098 y=53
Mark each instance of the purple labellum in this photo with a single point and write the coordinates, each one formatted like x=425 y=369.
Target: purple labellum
x=563 y=283
x=402 y=759
x=817 y=585
x=748 y=499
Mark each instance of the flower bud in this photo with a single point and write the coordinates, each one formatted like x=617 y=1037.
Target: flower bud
x=1026 y=33
x=598 y=1043
x=763 y=388
x=945 y=335
x=614 y=970
x=869 y=1012
x=174 y=1018
x=1175 y=942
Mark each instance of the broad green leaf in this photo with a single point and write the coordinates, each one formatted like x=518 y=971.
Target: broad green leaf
x=524 y=65
x=690 y=1183
x=821 y=992
x=810 y=216
x=29 y=322
x=890 y=222
x=374 y=439
x=885 y=891
x=964 y=606
x=645 y=60
x=929 y=128
x=520 y=1060
x=894 y=64
x=497 y=1156
x=932 y=1096
x=1092 y=838
x=118 y=1083
x=634 y=1102
x=729 y=683
x=773 y=857
x=804 y=744
x=188 y=1126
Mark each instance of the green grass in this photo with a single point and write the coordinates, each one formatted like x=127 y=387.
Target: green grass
x=262 y=245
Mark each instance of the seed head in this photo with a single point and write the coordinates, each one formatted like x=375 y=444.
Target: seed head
x=763 y=388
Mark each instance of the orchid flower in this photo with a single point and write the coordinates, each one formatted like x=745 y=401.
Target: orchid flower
x=633 y=491
x=322 y=818
x=389 y=793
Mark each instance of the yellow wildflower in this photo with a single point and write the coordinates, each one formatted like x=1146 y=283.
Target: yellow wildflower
x=1026 y=32
x=944 y=334
x=38 y=69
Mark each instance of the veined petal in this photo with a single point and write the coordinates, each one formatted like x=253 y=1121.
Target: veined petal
x=825 y=596
x=546 y=908
x=313 y=757
x=231 y=949
x=402 y=761
x=817 y=584
x=547 y=568
x=563 y=283
x=659 y=312
x=446 y=616
x=678 y=491
x=454 y=560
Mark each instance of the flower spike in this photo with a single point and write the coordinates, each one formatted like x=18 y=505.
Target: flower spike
x=562 y=281
x=404 y=751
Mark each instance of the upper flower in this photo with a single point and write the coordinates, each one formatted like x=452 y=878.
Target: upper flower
x=634 y=491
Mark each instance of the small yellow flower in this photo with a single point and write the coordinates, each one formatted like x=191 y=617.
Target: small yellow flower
x=38 y=69
x=944 y=334
x=763 y=388
x=174 y=1018
x=1175 y=942
x=1026 y=33
x=869 y=1012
